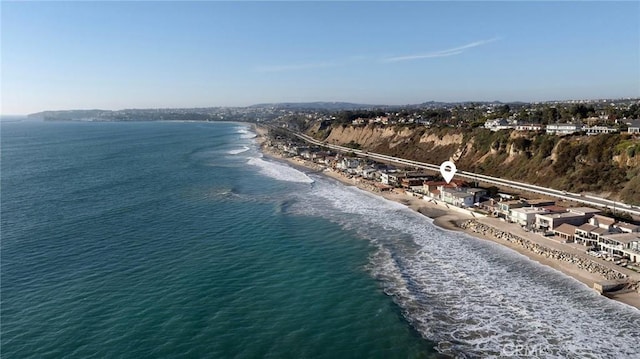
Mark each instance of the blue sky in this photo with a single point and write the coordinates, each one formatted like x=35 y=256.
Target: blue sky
x=114 y=55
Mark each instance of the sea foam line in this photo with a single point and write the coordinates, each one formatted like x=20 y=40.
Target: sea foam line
x=245 y=133
x=473 y=296
x=279 y=171
x=237 y=151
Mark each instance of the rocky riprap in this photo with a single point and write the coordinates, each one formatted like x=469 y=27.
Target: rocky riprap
x=583 y=263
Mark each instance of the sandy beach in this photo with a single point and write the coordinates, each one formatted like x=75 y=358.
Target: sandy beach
x=449 y=219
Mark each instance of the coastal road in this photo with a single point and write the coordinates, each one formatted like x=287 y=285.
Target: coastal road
x=576 y=197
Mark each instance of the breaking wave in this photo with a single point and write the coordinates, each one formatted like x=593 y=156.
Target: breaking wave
x=238 y=151
x=245 y=132
x=474 y=297
x=279 y=171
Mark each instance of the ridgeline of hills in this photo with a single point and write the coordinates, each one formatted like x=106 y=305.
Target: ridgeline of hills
x=607 y=165
x=258 y=112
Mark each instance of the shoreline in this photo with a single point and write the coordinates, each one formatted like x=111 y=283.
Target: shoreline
x=448 y=219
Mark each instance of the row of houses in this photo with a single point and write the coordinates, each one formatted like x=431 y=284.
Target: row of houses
x=559 y=128
x=582 y=225
x=605 y=234
x=385 y=120
x=456 y=192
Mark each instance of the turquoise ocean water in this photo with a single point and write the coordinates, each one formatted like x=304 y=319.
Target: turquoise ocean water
x=146 y=240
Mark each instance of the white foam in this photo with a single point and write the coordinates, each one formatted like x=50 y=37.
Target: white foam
x=245 y=133
x=237 y=151
x=472 y=296
x=279 y=171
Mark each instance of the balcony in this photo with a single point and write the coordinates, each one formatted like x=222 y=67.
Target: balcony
x=612 y=246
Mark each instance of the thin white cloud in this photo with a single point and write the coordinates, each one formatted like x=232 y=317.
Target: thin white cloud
x=294 y=67
x=441 y=53
x=358 y=59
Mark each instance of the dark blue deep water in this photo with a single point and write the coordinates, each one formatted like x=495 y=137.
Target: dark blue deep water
x=158 y=239
x=142 y=240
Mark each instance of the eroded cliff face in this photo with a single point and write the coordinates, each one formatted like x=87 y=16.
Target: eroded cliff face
x=604 y=164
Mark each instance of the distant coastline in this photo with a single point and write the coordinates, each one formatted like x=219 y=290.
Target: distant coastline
x=16 y=118
x=447 y=218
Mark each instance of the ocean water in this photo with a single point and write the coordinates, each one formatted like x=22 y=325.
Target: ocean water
x=180 y=240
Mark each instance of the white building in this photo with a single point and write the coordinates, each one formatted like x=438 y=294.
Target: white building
x=563 y=128
x=525 y=216
x=348 y=163
x=552 y=220
x=622 y=244
x=498 y=124
x=456 y=197
x=529 y=127
x=634 y=127
x=596 y=130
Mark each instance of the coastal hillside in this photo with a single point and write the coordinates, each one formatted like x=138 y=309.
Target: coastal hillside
x=607 y=165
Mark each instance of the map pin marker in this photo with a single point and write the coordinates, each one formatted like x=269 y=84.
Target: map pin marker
x=447 y=170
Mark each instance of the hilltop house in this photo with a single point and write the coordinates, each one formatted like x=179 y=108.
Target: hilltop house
x=563 y=128
x=634 y=126
x=596 y=130
x=529 y=127
x=498 y=124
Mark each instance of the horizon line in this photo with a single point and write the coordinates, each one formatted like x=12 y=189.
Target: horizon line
x=320 y=101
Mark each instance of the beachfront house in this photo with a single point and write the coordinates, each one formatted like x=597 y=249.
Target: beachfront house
x=585 y=235
x=627 y=227
x=370 y=173
x=602 y=221
x=622 y=244
x=478 y=194
x=306 y=154
x=428 y=186
x=590 y=234
x=566 y=232
x=414 y=181
x=348 y=164
x=525 y=216
x=295 y=150
x=456 y=197
x=434 y=189
x=504 y=207
x=412 y=184
x=391 y=177
x=330 y=161
x=553 y=220
x=574 y=216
